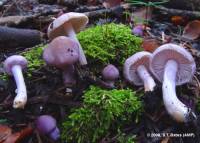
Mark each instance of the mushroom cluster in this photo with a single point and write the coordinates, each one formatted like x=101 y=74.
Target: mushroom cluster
x=69 y=24
x=170 y=64
x=63 y=52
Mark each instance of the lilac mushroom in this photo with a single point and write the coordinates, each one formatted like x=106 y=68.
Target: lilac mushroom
x=138 y=30
x=137 y=71
x=14 y=65
x=46 y=125
x=63 y=53
x=68 y=25
x=110 y=73
x=173 y=65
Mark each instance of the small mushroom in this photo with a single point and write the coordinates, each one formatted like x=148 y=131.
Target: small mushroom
x=110 y=73
x=173 y=65
x=63 y=53
x=46 y=125
x=14 y=65
x=136 y=70
x=138 y=30
x=68 y=25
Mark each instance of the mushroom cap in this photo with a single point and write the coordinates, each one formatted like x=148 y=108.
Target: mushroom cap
x=14 y=60
x=131 y=64
x=62 y=51
x=185 y=61
x=45 y=124
x=77 y=20
x=110 y=72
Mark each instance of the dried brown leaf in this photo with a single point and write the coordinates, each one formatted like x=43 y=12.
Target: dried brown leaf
x=17 y=137
x=192 y=30
x=5 y=131
x=150 y=44
x=111 y=3
x=178 y=20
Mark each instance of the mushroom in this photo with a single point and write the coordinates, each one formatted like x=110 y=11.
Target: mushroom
x=110 y=73
x=46 y=125
x=138 y=30
x=68 y=25
x=136 y=70
x=14 y=65
x=173 y=65
x=63 y=53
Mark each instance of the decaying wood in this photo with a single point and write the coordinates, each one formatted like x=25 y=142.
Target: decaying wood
x=14 y=20
x=117 y=11
x=88 y=8
x=191 y=14
x=39 y=10
x=14 y=38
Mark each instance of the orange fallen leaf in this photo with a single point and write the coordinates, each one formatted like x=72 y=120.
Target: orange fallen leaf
x=18 y=136
x=149 y=44
x=177 y=20
x=192 y=30
x=5 y=131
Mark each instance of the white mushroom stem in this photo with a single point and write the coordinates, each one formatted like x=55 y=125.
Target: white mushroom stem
x=173 y=105
x=147 y=79
x=71 y=33
x=21 y=98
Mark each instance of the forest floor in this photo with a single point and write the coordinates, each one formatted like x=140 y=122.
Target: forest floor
x=48 y=95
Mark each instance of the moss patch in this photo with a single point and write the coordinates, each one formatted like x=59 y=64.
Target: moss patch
x=34 y=57
x=103 y=112
x=110 y=43
x=35 y=61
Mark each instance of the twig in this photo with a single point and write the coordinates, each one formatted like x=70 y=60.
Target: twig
x=194 y=14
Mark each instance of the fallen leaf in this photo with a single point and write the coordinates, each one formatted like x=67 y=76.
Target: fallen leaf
x=192 y=30
x=178 y=20
x=25 y=132
x=149 y=44
x=111 y=3
x=18 y=136
x=5 y=131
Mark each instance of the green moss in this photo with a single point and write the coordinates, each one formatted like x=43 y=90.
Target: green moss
x=110 y=43
x=34 y=57
x=35 y=61
x=104 y=112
